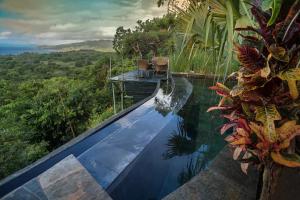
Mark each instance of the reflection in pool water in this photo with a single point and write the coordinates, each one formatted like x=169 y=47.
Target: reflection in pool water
x=184 y=147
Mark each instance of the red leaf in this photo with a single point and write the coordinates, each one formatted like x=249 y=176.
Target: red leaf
x=242 y=123
x=250 y=58
x=226 y=127
x=217 y=108
x=221 y=89
x=229 y=138
x=231 y=117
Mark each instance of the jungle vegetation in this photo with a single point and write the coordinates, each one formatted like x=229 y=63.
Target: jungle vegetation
x=48 y=99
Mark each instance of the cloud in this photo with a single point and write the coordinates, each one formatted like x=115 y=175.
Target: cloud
x=64 y=27
x=69 y=20
x=5 y=34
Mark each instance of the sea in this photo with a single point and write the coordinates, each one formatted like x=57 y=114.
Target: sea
x=16 y=50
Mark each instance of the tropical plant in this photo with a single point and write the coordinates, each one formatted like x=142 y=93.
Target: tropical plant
x=263 y=107
x=208 y=26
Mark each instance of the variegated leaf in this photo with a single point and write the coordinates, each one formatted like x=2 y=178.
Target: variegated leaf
x=291 y=74
x=246 y=109
x=293 y=89
x=258 y=130
x=267 y=115
x=237 y=90
x=287 y=132
x=279 y=53
x=265 y=72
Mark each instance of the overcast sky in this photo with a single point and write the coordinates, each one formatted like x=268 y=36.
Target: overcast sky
x=66 y=21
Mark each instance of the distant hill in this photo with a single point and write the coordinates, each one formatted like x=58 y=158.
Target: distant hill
x=98 y=45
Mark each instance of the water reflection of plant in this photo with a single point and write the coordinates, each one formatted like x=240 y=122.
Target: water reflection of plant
x=180 y=143
x=193 y=167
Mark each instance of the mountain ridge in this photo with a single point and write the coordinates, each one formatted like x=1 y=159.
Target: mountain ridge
x=98 y=45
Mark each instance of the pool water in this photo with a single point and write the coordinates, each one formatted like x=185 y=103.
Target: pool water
x=183 y=148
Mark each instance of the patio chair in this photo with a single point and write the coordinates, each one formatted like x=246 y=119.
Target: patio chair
x=161 y=64
x=143 y=67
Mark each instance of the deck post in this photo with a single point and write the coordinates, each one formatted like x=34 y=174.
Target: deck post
x=114 y=97
x=113 y=87
x=122 y=95
x=168 y=69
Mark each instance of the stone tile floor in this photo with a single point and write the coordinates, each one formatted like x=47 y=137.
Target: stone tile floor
x=224 y=180
x=67 y=180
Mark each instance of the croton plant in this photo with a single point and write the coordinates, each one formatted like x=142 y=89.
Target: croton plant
x=263 y=109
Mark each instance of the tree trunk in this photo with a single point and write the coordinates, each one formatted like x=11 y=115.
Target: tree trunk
x=270 y=179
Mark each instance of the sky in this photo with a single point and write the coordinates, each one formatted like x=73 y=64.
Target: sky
x=51 y=22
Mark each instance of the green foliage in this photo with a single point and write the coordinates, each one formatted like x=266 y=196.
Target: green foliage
x=48 y=99
x=100 y=117
x=148 y=38
x=275 y=5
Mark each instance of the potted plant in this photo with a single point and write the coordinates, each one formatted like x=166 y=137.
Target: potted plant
x=263 y=108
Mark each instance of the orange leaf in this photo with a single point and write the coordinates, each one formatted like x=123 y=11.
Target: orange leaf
x=240 y=141
x=287 y=129
x=257 y=130
x=242 y=132
x=288 y=160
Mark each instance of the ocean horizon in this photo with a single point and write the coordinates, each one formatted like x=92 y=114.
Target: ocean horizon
x=16 y=50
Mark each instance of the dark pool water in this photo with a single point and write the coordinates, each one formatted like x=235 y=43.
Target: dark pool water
x=184 y=147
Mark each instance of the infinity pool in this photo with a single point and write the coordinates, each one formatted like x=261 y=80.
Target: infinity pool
x=184 y=147
x=147 y=152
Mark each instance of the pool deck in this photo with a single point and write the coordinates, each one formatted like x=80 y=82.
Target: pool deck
x=224 y=180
